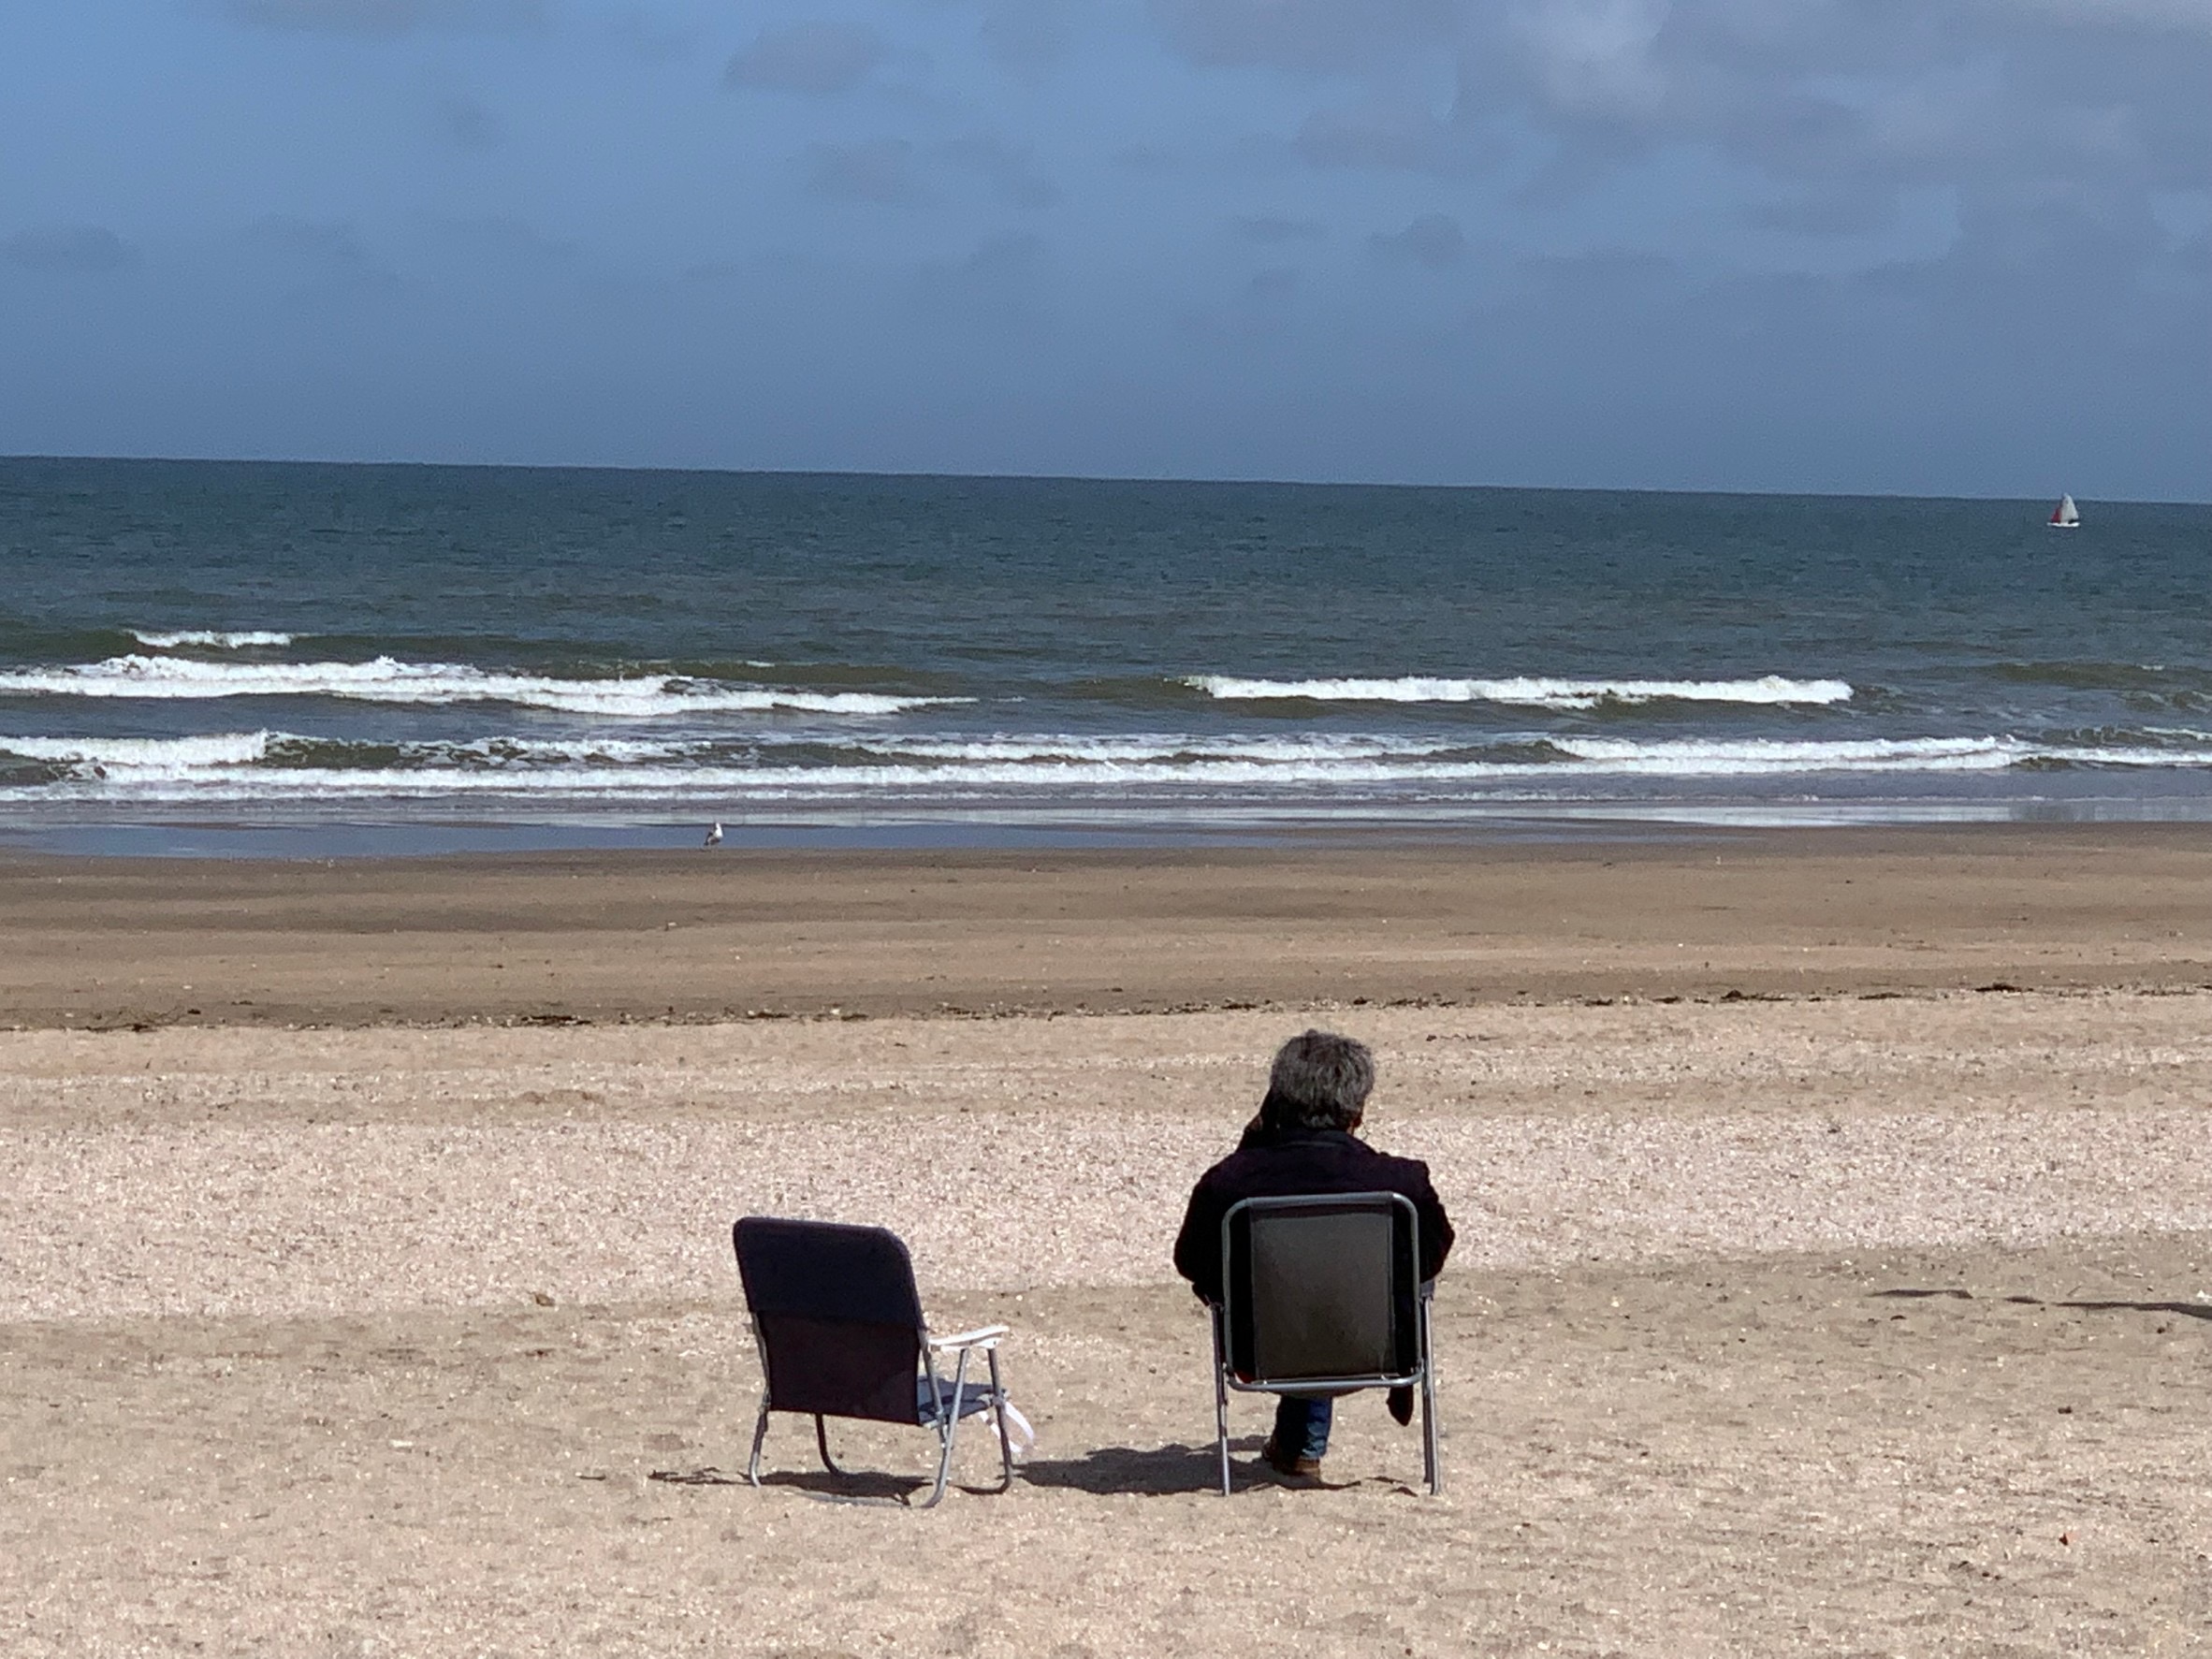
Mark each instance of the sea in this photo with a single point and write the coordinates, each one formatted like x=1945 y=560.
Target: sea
x=314 y=660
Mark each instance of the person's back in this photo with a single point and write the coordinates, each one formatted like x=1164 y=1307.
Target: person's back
x=1304 y=1141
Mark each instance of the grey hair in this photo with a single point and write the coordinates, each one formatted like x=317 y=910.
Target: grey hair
x=1320 y=1081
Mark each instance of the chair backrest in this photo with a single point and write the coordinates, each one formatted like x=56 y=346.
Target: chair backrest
x=839 y=1319
x=1322 y=1289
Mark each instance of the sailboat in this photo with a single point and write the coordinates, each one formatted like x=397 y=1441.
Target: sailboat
x=2065 y=515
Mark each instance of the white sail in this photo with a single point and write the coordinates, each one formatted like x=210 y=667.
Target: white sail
x=2065 y=515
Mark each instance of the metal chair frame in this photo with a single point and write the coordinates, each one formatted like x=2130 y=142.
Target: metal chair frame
x=1424 y=1375
x=868 y=1329
x=963 y=1401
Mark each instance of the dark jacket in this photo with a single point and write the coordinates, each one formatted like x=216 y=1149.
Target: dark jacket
x=1279 y=1163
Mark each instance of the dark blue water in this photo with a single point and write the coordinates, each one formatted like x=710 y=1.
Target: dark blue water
x=280 y=646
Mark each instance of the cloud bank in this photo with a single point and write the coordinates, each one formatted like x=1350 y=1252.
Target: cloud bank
x=1826 y=245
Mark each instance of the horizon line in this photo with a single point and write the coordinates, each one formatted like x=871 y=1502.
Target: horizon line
x=918 y=474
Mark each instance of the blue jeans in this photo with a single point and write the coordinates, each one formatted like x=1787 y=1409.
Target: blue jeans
x=1302 y=1424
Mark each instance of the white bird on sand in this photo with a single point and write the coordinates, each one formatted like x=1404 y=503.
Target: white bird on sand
x=714 y=836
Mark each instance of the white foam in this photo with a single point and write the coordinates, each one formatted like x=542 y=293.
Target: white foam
x=166 y=757
x=238 y=767
x=1526 y=692
x=1753 y=757
x=1137 y=747
x=389 y=680
x=211 y=638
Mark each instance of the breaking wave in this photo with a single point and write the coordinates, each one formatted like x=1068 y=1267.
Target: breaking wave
x=1525 y=691
x=275 y=768
x=385 y=679
x=168 y=757
x=212 y=639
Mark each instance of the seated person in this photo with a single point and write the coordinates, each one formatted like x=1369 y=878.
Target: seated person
x=1303 y=1141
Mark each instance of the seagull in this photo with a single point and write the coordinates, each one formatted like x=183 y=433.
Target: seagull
x=714 y=836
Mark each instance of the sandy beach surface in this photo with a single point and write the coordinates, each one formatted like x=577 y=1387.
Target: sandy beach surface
x=1835 y=1274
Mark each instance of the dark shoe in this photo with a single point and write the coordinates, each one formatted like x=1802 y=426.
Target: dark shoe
x=1292 y=1467
x=1402 y=1406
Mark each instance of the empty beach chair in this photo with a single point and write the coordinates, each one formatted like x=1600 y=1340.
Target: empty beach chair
x=1323 y=1295
x=840 y=1333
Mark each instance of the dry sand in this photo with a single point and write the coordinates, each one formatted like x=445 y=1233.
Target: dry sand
x=1844 y=1321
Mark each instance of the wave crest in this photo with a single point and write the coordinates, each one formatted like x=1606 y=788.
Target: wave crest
x=158 y=757
x=213 y=639
x=276 y=768
x=1526 y=692
x=385 y=679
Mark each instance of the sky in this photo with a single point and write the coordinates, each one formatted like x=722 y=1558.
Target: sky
x=1921 y=246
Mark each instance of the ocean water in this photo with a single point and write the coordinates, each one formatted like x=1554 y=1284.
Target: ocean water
x=385 y=656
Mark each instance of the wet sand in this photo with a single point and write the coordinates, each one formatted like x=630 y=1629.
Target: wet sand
x=1864 y=1311
x=724 y=934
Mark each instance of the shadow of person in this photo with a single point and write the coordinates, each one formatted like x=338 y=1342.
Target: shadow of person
x=1155 y=1472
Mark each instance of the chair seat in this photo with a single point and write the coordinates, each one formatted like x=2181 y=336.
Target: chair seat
x=973 y=1397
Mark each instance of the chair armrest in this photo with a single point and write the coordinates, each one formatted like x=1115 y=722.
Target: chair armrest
x=984 y=1336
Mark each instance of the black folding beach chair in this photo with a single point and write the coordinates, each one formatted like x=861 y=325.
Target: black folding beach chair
x=1323 y=1295
x=840 y=1333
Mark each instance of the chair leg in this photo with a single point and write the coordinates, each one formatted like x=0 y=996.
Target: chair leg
x=1431 y=1463
x=1431 y=1454
x=759 y=1436
x=1220 y=1404
x=999 y=1417
x=821 y=1444
x=947 y=1430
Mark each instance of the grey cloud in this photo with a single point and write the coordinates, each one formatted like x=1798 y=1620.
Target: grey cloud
x=1305 y=34
x=1839 y=105
x=1379 y=137
x=466 y=124
x=1596 y=284
x=2182 y=16
x=878 y=170
x=1259 y=313
x=2194 y=258
x=1004 y=279
x=387 y=16
x=1265 y=307
x=1857 y=93
x=644 y=35
x=318 y=255
x=322 y=241
x=1433 y=239
x=1827 y=213
x=73 y=248
x=821 y=59
x=1270 y=230
x=510 y=241
x=1149 y=159
x=1008 y=167
x=896 y=170
x=1596 y=59
x=1028 y=37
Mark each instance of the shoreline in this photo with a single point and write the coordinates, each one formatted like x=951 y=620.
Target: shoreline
x=692 y=936
x=1006 y=828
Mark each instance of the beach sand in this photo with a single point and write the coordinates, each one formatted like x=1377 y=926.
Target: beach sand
x=1835 y=1274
